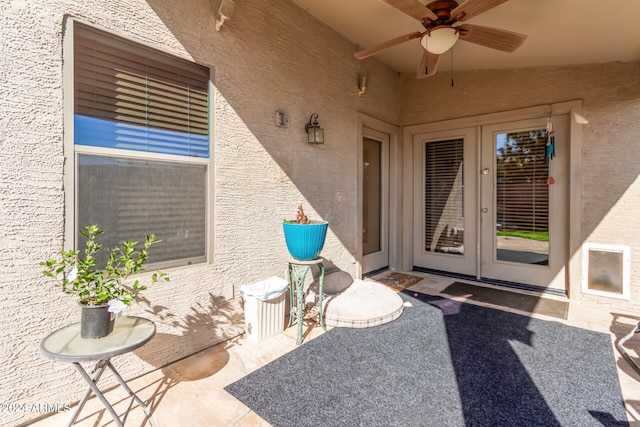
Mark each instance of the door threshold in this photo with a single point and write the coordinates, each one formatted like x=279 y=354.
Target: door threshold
x=494 y=282
x=375 y=272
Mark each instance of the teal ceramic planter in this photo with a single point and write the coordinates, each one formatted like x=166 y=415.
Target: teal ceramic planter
x=305 y=241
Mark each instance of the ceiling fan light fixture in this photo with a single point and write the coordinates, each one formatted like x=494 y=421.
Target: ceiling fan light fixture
x=440 y=39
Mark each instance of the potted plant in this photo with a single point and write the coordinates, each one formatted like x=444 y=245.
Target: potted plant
x=304 y=237
x=101 y=293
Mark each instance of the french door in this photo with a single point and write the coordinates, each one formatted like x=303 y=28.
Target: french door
x=524 y=205
x=489 y=203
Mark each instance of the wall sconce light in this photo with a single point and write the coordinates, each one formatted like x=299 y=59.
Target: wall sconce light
x=314 y=131
x=362 y=85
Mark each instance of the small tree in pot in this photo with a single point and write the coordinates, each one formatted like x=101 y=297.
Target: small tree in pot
x=101 y=293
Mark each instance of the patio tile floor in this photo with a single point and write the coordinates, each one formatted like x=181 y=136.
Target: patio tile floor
x=191 y=392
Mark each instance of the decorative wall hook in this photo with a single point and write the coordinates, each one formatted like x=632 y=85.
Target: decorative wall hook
x=362 y=85
x=225 y=11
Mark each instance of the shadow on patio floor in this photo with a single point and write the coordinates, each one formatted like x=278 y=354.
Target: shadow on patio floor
x=190 y=392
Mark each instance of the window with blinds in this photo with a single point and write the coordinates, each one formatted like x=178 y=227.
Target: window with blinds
x=130 y=97
x=444 y=197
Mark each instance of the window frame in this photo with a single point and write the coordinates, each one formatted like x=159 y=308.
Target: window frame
x=73 y=151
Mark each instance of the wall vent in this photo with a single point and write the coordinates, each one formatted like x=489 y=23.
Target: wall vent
x=606 y=270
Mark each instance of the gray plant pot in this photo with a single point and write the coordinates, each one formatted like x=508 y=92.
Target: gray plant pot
x=96 y=321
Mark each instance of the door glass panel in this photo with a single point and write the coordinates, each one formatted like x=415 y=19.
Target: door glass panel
x=522 y=197
x=372 y=196
x=444 y=196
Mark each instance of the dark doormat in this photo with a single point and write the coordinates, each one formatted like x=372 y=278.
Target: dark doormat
x=514 y=300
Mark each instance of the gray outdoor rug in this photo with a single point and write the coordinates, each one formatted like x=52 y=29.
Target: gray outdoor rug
x=442 y=363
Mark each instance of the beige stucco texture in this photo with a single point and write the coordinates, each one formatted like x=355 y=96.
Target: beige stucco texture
x=270 y=56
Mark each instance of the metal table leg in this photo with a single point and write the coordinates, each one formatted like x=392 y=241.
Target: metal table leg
x=99 y=370
x=132 y=395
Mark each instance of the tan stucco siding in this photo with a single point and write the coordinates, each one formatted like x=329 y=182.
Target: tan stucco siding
x=271 y=55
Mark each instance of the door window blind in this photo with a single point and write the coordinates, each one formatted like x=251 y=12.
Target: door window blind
x=444 y=197
x=522 y=192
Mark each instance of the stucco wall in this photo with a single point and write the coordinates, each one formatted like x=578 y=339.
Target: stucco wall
x=271 y=55
x=610 y=145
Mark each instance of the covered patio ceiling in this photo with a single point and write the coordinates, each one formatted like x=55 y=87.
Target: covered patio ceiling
x=560 y=32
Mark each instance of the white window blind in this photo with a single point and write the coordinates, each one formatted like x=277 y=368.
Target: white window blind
x=131 y=97
x=130 y=198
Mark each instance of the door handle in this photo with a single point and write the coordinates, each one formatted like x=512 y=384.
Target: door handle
x=485 y=210
x=485 y=171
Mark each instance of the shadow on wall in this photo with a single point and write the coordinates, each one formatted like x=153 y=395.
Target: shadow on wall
x=205 y=324
x=292 y=79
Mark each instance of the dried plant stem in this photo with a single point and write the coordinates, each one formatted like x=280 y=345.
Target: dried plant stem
x=301 y=218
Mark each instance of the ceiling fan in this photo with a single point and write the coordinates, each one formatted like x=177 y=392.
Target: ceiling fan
x=440 y=19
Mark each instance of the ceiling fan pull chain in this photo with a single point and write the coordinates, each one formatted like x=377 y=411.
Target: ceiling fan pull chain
x=451 y=50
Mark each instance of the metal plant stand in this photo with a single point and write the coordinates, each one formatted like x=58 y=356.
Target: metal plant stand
x=297 y=273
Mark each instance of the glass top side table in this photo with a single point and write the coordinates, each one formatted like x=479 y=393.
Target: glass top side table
x=65 y=345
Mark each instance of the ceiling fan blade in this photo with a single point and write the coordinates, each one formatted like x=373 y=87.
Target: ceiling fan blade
x=428 y=65
x=494 y=38
x=386 y=45
x=471 y=8
x=413 y=8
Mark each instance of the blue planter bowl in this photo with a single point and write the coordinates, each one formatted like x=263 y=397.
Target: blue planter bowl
x=305 y=241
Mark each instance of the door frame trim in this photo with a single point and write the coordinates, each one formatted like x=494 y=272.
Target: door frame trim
x=395 y=190
x=574 y=109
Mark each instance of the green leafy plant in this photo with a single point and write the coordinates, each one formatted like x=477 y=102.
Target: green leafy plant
x=79 y=275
